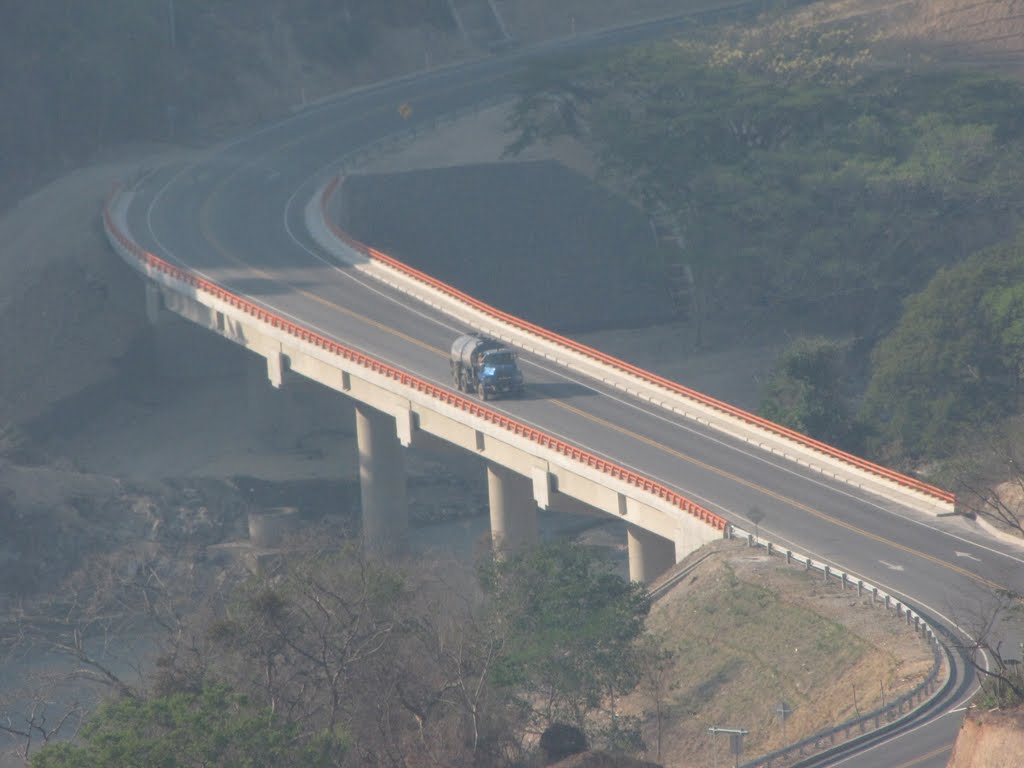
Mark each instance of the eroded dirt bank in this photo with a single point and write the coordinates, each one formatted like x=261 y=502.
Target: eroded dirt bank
x=990 y=740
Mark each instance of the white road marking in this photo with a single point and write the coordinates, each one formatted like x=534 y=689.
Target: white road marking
x=890 y=566
x=958 y=553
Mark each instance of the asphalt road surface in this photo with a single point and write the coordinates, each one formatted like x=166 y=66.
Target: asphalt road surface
x=236 y=217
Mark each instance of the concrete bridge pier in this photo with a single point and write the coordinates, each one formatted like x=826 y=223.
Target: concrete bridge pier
x=513 y=510
x=381 y=483
x=650 y=555
x=154 y=303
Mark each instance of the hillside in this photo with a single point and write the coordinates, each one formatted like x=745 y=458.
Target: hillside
x=71 y=316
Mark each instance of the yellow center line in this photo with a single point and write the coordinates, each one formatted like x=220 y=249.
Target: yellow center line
x=225 y=253
x=780 y=497
x=924 y=758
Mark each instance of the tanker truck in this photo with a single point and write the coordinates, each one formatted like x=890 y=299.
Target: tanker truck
x=485 y=366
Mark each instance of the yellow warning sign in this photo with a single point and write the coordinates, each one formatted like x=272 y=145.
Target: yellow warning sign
x=405 y=110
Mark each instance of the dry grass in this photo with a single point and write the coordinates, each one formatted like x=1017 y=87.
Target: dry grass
x=748 y=632
x=988 y=33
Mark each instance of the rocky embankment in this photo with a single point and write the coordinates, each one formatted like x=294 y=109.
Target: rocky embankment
x=990 y=740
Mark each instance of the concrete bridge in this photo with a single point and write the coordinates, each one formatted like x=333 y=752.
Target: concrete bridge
x=241 y=243
x=527 y=467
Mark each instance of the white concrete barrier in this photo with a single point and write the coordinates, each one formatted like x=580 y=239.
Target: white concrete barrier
x=618 y=374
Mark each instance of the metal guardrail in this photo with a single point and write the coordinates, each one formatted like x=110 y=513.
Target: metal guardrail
x=665 y=587
x=872 y=723
x=145 y=261
x=878 y=720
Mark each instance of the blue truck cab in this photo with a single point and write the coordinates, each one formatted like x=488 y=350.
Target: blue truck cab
x=485 y=366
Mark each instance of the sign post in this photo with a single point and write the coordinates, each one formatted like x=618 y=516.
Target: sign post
x=735 y=741
x=783 y=711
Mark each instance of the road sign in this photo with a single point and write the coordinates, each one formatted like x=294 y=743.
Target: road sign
x=783 y=711
x=735 y=740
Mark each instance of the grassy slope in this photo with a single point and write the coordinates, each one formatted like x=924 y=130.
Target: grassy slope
x=749 y=632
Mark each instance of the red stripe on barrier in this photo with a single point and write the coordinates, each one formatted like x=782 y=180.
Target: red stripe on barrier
x=438 y=393
x=597 y=355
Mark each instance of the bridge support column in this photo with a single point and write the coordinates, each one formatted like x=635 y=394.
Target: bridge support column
x=381 y=483
x=154 y=302
x=513 y=511
x=650 y=555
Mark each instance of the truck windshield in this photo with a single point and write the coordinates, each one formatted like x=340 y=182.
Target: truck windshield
x=500 y=358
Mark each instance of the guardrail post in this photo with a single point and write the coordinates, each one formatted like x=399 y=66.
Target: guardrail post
x=789 y=556
x=807 y=564
x=826 y=570
x=860 y=587
x=887 y=602
x=843 y=580
x=769 y=547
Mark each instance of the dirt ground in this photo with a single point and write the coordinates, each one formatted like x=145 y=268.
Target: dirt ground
x=990 y=740
x=761 y=632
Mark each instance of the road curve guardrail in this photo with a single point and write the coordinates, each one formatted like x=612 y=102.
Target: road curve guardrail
x=928 y=497
x=188 y=282
x=897 y=712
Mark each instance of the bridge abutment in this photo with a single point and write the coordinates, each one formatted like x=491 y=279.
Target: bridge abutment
x=512 y=508
x=385 y=508
x=650 y=555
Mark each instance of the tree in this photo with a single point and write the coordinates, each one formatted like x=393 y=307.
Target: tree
x=211 y=727
x=988 y=475
x=307 y=644
x=399 y=660
x=570 y=627
x=798 y=179
x=656 y=683
x=985 y=626
x=951 y=360
x=805 y=390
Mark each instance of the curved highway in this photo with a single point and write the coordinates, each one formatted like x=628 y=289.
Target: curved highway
x=236 y=217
